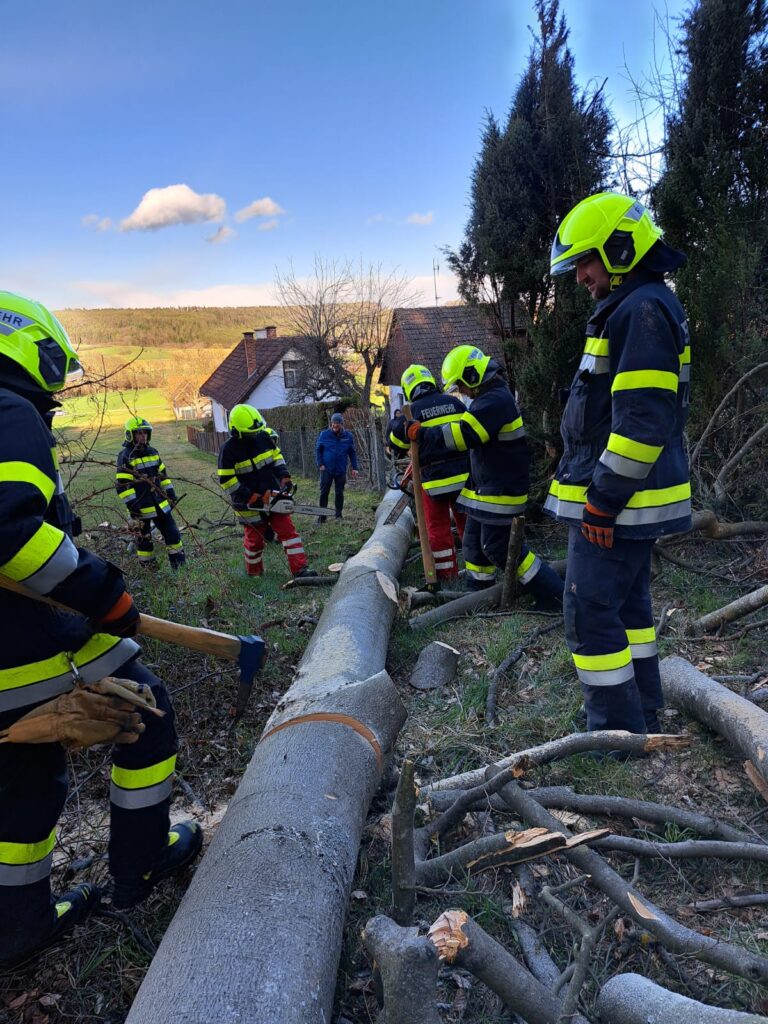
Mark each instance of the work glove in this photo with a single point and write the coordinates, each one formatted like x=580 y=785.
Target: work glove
x=412 y=430
x=286 y=485
x=597 y=526
x=122 y=619
x=260 y=500
x=101 y=712
x=171 y=495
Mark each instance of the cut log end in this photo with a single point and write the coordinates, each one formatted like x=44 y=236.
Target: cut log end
x=447 y=934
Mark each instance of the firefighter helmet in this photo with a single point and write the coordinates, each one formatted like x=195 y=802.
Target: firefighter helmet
x=244 y=420
x=617 y=228
x=31 y=336
x=466 y=365
x=415 y=380
x=137 y=423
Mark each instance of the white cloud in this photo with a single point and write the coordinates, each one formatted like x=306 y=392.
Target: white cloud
x=93 y=220
x=269 y=225
x=378 y=218
x=91 y=294
x=265 y=207
x=424 y=289
x=221 y=235
x=174 y=204
x=422 y=219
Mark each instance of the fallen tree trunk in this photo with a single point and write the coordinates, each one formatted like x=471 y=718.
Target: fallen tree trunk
x=739 y=721
x=475 y=601
x=258 y=935
x=706 y=522
x=633 y=999
x=735 y=610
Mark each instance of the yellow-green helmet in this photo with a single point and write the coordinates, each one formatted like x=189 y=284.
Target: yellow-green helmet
x=413 y=378
x=464 y=365
x=244 y=420
x=31 y=336
x=137 y=423
x=618 y=228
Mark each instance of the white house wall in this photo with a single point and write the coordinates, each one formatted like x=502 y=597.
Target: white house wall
x=271 y=392
x=219 y=414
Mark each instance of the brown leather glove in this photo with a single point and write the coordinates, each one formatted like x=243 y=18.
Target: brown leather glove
x=101 y=712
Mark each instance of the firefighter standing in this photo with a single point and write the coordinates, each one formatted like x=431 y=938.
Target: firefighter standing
x=623 y=478
x=497 y=489
x=143 y=484
x=45 y=650
x=443 y=473
x=251 y=467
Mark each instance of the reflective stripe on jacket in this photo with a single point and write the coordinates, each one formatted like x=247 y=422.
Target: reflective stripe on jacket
x=141 y=480
x=36 y=549
x=442 y=473
x=247 y=466
x=492 y=432
x=623 y=424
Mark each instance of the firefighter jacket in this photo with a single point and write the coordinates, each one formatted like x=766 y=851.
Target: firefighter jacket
x=333 y=450
x=36 y=549
x=250 y=465
x=623 y=423
x=443 y=474
x=493 y=433
x=142 y=481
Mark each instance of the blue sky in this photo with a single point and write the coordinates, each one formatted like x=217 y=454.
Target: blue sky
x=346 y=128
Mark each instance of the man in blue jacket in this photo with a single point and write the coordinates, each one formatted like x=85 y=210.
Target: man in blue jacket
x=335 y=446
x=623 y=478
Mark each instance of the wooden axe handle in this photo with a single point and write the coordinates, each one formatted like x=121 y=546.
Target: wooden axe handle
x=427 y=558
x=209 y=641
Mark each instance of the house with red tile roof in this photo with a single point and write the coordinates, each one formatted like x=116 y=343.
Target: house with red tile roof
x=426 y=335
x=260 y=370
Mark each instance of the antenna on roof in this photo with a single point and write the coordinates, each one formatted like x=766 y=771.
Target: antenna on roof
x=435 y=272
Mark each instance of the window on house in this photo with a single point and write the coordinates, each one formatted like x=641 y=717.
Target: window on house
x=291 y=372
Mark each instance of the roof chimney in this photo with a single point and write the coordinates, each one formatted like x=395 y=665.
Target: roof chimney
x=249 y=344
x=271 y=332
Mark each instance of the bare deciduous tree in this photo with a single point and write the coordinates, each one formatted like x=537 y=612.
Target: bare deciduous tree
x=344 y=313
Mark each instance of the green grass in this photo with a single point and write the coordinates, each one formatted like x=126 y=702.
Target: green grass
x=114 y=408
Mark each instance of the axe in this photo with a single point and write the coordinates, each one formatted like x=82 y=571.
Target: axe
x=247 y=651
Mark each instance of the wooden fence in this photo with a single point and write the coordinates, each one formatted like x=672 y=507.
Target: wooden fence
x=298 y=447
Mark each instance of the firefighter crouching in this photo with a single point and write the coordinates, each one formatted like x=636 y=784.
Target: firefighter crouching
x=143 y=484
x=623 y=478
x=497 y=489
x=47 y=649
x=251 y=467
x=443 y=474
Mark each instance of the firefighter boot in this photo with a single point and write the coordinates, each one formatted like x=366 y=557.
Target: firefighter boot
x=185 y=841
x=547 y=588
x=69 y=909
x=302 y=574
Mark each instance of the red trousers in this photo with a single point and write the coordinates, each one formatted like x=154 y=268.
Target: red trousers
x=285 y=531
x=437 y=512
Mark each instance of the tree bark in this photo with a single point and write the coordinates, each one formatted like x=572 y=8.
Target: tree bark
x=735 y=610
x=258 y=935
x=633 y=999
x=667 y=930
x=436 y=666
x=461 y=941
x=475 y=601
x=409 y=967
x=739 y=721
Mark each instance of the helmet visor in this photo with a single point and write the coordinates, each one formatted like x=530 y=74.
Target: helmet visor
x=57 y=365
x=560 y=263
